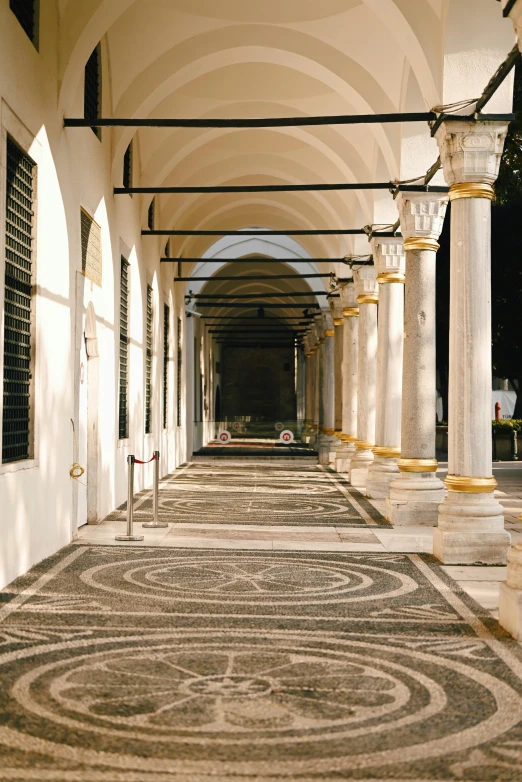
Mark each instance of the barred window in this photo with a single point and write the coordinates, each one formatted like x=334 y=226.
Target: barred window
x=180 y=365
x=127 y=167
x=150 y=216
x=148 y=364
x=92 y=89
x=166 y=319
x=123 y=415
x=18 y=329
x=26 y=11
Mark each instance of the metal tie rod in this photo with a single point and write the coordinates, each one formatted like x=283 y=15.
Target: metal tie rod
x=258 y=304
x=253 y=259
x=315 y=187
x=255 y=295
x=259 y=232
x=269 y=122
x=256 y=277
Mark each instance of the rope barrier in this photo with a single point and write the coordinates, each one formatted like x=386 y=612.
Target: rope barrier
x=138 y=461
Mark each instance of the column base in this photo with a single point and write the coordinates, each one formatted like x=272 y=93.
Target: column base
x=510 y=607
x=510 y=610
x=414 y=499
x=359 y=466
x=343 y=457
x=381 y=473
x=323 y=447
x=471 y=530
x=335 y=444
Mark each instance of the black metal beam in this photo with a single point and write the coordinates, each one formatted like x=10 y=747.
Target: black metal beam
x=257 y=304
x=254 y=331
x=255 y=295
x=256 y=277
x=315 y=187
x=245 y=234
x=270 y=122
x=508 y=7
x=274 y=319
x=253 y=259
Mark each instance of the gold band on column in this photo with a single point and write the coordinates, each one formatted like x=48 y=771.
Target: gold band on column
x=348 y=438
x=464 y=483
x=386 y=277
x=364 y=445
x=421 y=243
x=338 y=433
x=368 y=298
x=329 y=431
x=471 y=190
x=338 y=322
x=386 y=452
x=329 y=333
x=418 y=465
x=351 y=312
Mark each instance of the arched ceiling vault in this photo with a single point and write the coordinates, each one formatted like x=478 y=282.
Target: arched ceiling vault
x=226 y=58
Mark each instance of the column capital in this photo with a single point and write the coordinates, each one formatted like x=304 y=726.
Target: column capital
x=336 y=309
x=389 y=259
x=471 y=151
x=422 y=217
x=328 y=325
x=366 y=285
x=350 y=308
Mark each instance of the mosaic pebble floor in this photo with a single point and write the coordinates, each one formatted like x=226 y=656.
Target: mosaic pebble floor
x=154 y=665
x=284 y=493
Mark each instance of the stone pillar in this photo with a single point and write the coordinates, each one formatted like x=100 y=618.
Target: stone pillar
x=300 y=386
x=390 y=263
x=328 y=389
x=338 y=324
x=415 y=495
x=367 y=290
x=471 y=522
x=350 y=310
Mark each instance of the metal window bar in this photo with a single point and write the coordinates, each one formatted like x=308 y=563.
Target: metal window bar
x=123 y=422
x=91 y=93
x=148 y=364
x=16 y=423
x=166 y=321
x=25 y=12
x=180 y=365
x=127 y=167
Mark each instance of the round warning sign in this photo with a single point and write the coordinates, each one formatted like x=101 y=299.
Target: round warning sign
x=279 y=426
x=236 y=426
x=286 y=436
x=224 y=437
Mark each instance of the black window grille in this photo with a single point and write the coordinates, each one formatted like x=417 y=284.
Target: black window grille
x=91 y=94
x=148 y=364
x=166 y=319
x=150 y=216
x=26 y=11
x=123 y=416
x=18 y=332
x=127 y=167
x=180 y=366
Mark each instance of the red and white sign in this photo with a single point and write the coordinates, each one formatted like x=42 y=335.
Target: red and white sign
x=286 y=436
x=279 y=426
x=236 y=426
x=224 y=436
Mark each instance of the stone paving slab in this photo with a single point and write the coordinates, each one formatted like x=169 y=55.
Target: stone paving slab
x=139 y=664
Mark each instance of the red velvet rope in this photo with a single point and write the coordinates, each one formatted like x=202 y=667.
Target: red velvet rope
x=138 y=461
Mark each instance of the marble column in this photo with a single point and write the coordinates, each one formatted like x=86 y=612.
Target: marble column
x=367 y=290
x=388 y=255
x=350 y=310
x=471 y=521
x=338 y=324
x=328 y=389
x=415 y=495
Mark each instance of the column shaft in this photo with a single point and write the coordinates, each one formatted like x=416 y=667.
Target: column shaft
x=366 y=396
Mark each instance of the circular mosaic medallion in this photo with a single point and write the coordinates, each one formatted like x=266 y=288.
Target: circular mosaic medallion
x=258 y=579
x=166 y=700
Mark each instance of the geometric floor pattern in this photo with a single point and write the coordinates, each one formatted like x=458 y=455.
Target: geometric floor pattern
x=155 y=665
x=268 y=493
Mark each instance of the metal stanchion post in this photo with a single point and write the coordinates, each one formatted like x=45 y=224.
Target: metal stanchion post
x=130 y=504
x=155 y=523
